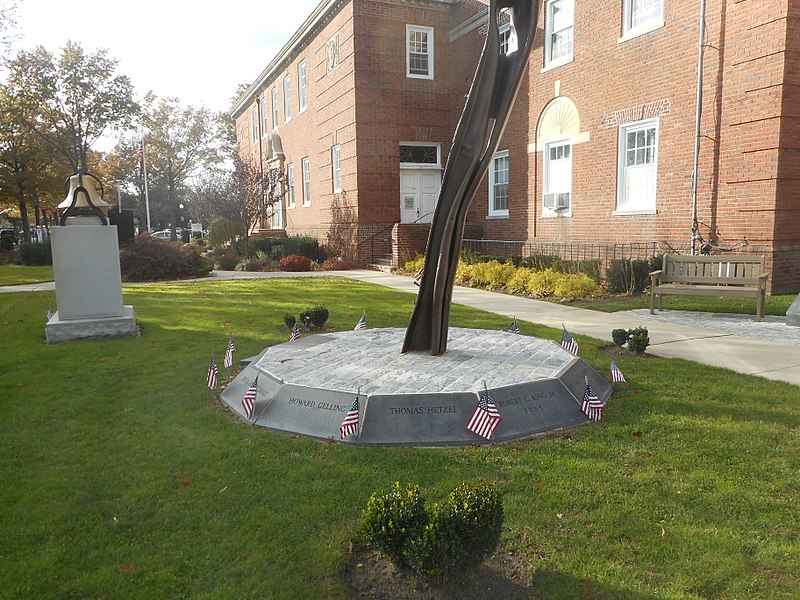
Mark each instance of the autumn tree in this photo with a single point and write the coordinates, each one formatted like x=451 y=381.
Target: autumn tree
x=181 y=142
x=70 y=101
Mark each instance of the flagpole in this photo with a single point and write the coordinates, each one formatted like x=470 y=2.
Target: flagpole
x=146 y=192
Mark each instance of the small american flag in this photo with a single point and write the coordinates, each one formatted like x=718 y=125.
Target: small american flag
x=50 y=313
x=616 y=374
x=249 y=400
x=485 y=418
x=362 y=322
x=568 y=342
x=591 y=405
x=350 y=424
x=295 y=333
x=228 y=362
x=514 y=328
x=211 y=378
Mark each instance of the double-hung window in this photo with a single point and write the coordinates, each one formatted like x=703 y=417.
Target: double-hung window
x=336 y=168
x=306 y=168
x=639 y=16
x=287 y=98
x=302 y=85
x=559 y=23
x=557 y=176
x=254 y=123
x=498 y=185
x=638 y=165
x=264 y=118
x=290 y=185
x=275 y=108
x=419 y=52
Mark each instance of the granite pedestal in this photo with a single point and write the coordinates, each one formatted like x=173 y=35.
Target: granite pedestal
x=88 y=285
x=306 y=387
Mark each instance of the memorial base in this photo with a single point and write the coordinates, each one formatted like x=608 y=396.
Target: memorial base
x=65 y=330
x=306 y=387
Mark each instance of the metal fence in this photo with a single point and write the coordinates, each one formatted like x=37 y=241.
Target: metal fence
x=566 y=250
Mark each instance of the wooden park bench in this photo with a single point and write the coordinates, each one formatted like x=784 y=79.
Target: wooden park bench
x=733 y=275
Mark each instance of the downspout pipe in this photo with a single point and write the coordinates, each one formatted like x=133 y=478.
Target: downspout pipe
x=698 y=117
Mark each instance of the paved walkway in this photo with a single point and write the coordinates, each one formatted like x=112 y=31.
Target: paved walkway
x=770 y=349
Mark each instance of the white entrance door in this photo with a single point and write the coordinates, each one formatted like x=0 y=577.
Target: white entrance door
x=419 y=190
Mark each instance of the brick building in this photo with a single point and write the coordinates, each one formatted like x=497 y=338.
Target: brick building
x=599 y=151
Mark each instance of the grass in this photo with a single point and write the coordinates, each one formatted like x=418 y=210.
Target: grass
x=21 y=274
x=123 y=477
x=774 y=305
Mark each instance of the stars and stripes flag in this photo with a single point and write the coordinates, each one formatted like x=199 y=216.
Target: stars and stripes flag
x=591 y=405
x=249 y=400
x=616 y=374
x=568 y=342
x=362 y=322
x=50 y=313
x=485 y=418
x=211 y=378
x=228 y=362
x=513 y=328
x=140 y=156
x=295 y=333
x=350 y=424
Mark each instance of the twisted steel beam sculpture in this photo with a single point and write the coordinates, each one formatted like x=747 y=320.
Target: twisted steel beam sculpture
x=497 y=80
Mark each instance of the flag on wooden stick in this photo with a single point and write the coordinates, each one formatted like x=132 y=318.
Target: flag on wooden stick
x=50 y=313
x=591 y=404
x=350 y=424
x=295 y=333
x=485 y=418
x=362 y=322
x=568 y=342
x=211 y=378
x=249 y=400
x=616 y=374
x=228 y=362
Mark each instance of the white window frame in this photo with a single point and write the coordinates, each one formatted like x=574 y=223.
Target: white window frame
x=643 y=202
x=305 y=167
x=336 y=168
x=302 y=86
x=548 y=186
x=428 y=31
x=254 y=124
x=290 y=201
x=264 y=118
x=549 y=61
x=287 y=98
x=494 y=212
x=275 y=107
x=631 y=29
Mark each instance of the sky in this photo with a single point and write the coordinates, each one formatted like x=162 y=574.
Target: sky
x=196 y=51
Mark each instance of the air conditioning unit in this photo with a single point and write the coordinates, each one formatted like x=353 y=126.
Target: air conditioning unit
x=558 y=201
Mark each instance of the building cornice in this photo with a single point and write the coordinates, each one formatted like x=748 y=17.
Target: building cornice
x=320 y=14
x=318 y=17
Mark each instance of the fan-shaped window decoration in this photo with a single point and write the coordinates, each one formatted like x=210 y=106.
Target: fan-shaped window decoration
x=559 y=119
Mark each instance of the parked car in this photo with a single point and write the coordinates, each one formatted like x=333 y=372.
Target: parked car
x=8 y=237
x=166 y=234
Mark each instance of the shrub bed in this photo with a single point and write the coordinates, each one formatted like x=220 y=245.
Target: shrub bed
x=150 y=259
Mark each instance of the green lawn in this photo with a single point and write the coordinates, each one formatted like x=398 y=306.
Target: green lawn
x=19 y=274
x=775 y=305
x=122 y=476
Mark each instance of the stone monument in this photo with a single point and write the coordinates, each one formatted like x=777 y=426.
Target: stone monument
x=793 y=314
x=426 y=394
x=86 y=268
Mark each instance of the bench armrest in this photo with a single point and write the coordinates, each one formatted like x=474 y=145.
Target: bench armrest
x=655 y=275
x=764 y=276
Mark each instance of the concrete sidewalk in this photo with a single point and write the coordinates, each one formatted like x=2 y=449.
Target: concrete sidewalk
x=770 y=349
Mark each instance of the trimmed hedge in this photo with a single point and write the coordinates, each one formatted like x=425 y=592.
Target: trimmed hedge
x=150 y=259
x=452 y=536
x=35 y=253
x=277 y=248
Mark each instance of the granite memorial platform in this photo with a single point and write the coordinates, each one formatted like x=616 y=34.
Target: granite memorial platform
x=307 y=386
